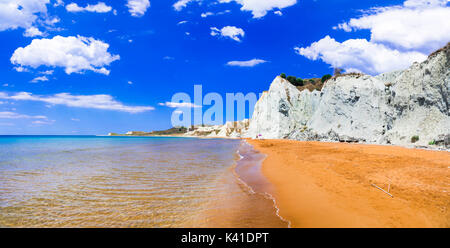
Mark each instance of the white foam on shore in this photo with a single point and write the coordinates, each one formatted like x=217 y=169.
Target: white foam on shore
x=266 y=195
x=239 y=154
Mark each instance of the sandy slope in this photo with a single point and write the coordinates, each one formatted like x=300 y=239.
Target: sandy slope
x=329 y=184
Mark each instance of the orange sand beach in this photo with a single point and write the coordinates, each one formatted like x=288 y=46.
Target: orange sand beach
x=320 y=184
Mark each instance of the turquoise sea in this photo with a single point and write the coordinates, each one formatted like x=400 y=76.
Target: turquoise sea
x=92 y=181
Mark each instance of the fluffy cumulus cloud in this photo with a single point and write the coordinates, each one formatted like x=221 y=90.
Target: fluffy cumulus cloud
x=137 y=8
x=32 y=32
x=400 y=35
x=103 y=102
x=248 y=63
x=21 y=13
x=259 y=8
x=229 y=31
x=417 y=24
x=359 y=55
x=100 y=7
x=74 y=54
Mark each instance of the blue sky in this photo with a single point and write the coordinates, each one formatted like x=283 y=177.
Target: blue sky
x=93 y=67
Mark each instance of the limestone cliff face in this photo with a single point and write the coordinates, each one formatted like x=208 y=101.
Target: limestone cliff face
x=420 y=98
x=282 y=110
x=351 y=108
x=389 y=108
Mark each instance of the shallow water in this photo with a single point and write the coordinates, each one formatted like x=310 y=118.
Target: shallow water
x=89 y=181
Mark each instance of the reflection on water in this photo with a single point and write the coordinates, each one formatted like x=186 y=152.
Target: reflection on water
x=125 y=182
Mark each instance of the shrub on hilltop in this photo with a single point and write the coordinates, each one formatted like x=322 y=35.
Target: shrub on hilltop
x=299 y=82
x=306 y=84
x=295 y=81
x=326 y=77
x=292 y=79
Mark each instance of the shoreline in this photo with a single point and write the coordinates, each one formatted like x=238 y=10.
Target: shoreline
x=175 y=136
x=322 y=184
x=258 y=183
x=241 y=200
x=407 y=146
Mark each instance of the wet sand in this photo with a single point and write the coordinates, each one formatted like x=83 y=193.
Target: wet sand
x=240 y=199
x=320 y=184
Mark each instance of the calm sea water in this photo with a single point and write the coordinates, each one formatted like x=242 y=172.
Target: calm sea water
x=88 y=181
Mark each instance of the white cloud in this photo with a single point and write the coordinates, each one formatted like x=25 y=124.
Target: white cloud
x=75 y=54
x=425 y=3
x=51 y=21
x=359 y=55
x=180 y=4
x=259 y=8
x=278 y=13
x=49 y=72
x=21 y=13
x=41 y=122
x=26 y=14
x=13 y=115
x=103 y=102
x=206 y=14
x=182 y=22
x=179 y=105
x=137 y=8
x=420 y=25
x=229 y=31
x=130 y=82
x=249 y=63
x=32 y=32
x=400 y=35
x=74 y=119
x=20 y=69
x=100 y=7
x=58 y=3
x=39 y=79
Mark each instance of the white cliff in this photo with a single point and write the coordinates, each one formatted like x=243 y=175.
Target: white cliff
x=351 y=108
x=282 y=110
x=420 y=99
x=228 y=130
x=389 y=108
